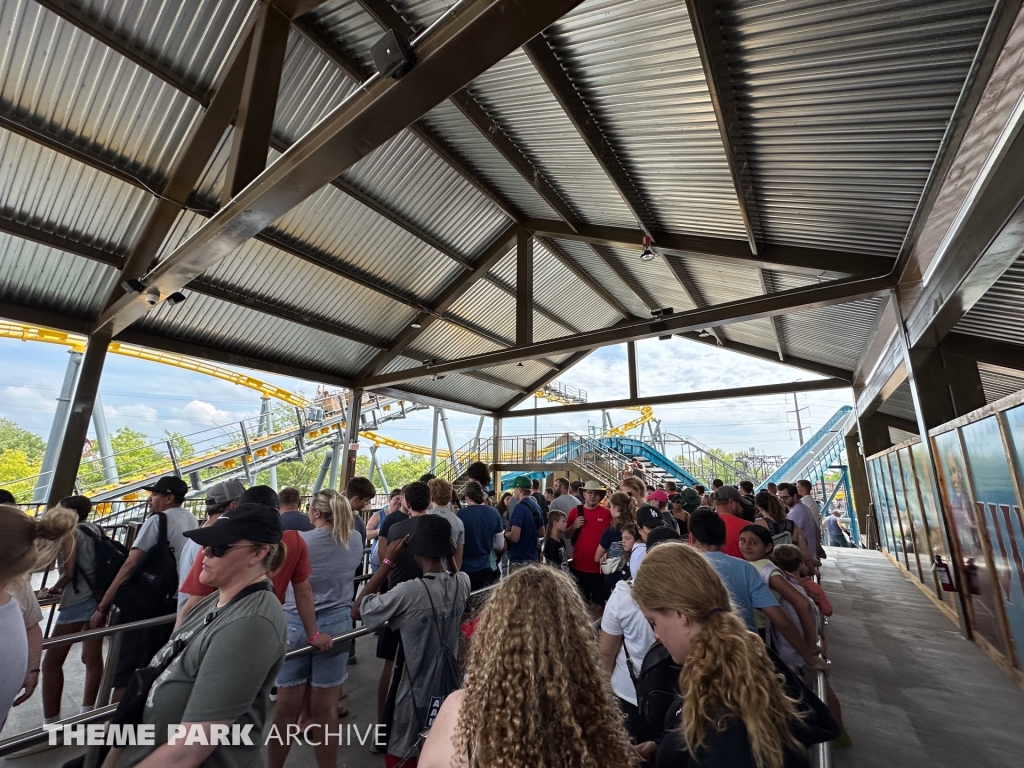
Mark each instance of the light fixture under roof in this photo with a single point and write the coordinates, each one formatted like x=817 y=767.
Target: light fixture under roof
x=416 y=325
x=647 y=254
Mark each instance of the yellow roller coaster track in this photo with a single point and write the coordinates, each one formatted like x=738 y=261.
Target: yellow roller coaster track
x=76 y=342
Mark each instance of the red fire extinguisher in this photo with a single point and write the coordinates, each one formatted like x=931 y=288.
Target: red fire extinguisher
x=943 y=575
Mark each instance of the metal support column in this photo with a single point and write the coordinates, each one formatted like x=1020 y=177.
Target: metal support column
x=861 y=498
x=854 y=522
x=69 y=456
x=524 y=288
x=352 y=421
x=57 y=428
x=335 y=455
x=321 y=474
x=631 y=363
x=433 y=439
x=376 y=467
x=479 y=429
x=106 y=451
x=452 y=459
x=265 y=429
x=496 y=457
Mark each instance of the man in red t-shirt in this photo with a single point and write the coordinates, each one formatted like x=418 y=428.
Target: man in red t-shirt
x=729 y=504
x=294 y=571
x=587 y=530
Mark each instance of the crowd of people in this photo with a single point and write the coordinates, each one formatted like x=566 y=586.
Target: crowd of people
x=663 y=626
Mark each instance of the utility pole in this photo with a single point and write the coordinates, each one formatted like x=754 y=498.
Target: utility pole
x=799 y=426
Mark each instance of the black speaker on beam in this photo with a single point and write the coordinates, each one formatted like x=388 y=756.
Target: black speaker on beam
x=392 y=55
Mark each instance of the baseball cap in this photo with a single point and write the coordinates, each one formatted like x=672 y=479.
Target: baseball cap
x=221 y=493
x=168 y=484
x=690 y=499
x=522 y=482
x=658 y=496
x=255 y=522
x=649 y=517
x=727 y=492
x=432 y=537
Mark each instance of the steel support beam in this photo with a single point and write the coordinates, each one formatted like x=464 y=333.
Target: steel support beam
x=583 y=277
x=888 y=420
x=992 y=353
x=524 y=288
x=186 y=170
x=448 y=296
x=710 y=39
x=58 y=427
x=545 y=380
x=457 y=51
x=250 y=142
x=858 y=481
x=763 y=354
x=634 y=393
x=944 y=386
x=686 y=397
x=70 y=457
x=61 y=243
x=813 y=261
x=835 y=292
x=762 y=278
x=874 y=434
x=352 y=421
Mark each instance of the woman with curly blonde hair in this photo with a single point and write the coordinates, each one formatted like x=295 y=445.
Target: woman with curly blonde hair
x=735 y=707
x=537 y=695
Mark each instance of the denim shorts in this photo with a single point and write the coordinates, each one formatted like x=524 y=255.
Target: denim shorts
x=320 y=670
x=76 y=614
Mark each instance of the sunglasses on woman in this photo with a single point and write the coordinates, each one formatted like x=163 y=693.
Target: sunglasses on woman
x=219 y=550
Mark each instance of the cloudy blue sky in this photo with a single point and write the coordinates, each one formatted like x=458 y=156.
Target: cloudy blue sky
x=153 y=398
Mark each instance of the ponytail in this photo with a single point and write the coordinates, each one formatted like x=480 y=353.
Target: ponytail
x=627 y=506
x=335 y=509
x=276 y=555
x=28 y=544
x=727 y=672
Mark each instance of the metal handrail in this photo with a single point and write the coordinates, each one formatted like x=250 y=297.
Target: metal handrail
x=822 y=751
x=35 y=736
x=113 y=629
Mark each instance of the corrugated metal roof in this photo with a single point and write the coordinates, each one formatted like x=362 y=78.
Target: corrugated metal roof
x=997 y=314
x=210 y=321
x=833 y=335
x=593 y=265
x=636 y=65
x=516 y=98
x=999 y=384
x=843 y=106
x=415 y=183
x=57 y=194
x=446 y=341
x=62 y=82
x=655 y=276
x=900 y=403
x=452 y=126
x=557 y=289
x=757 y=333
x=42 y=277
x=190 y=40
x=463 y=389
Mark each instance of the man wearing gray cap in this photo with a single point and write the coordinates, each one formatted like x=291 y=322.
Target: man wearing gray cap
x=219 y=499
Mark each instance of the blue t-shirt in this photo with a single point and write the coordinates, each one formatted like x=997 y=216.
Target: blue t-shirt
x=295 y=521
x=522 y=517
x=745 y=586
x=482 y=523
x=835 y=528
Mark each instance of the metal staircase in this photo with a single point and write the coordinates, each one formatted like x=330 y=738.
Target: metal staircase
x=819 y=453
x=657 y=466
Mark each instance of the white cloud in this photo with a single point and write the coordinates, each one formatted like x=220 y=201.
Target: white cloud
x=206 y=413
x=22 y=397
x=134 y=411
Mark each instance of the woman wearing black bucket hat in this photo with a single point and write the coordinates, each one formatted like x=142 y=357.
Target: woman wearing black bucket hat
x=221 y=661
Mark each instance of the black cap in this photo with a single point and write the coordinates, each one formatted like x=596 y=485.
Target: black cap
x=255 y=522
x=659 y=535
x=649 y=517
x=432 y=537
x=168 y=484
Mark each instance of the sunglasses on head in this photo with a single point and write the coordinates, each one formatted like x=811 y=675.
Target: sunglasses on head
x=219 y=550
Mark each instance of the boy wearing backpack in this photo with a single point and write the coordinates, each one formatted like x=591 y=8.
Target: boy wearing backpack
x=427 y=612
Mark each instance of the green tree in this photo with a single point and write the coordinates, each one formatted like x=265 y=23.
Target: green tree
x=15 y=438
x=136 y=456
x=15 y=465
x=405 y=469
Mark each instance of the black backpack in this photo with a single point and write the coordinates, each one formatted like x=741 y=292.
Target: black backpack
x=108 y=557
x=657 y=685
x=150 y=590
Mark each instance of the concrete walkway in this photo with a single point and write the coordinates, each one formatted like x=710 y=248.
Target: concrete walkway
x=914 y=692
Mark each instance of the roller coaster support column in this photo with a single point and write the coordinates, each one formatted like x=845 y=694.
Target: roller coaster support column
x=264 y=431
x=58 y=427
x=375 y=467
x=433 y=440
x=322 y=472
x=479 y=429
x=70 y=454
x=335 y=459
x=106 y=451
x=496 y=458
x=352 y=421
x=451 y=443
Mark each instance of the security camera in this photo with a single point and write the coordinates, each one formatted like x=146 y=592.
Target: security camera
x=153 y=296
